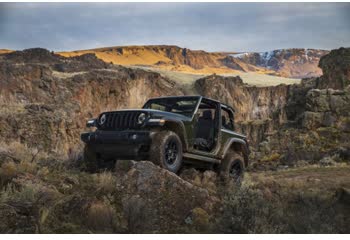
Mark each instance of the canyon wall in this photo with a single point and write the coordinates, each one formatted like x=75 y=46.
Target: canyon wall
x=45 y=99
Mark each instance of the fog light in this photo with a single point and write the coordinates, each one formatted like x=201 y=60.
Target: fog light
x=133 y=137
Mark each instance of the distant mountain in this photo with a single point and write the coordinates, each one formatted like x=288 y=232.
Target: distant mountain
x=295 y=62
x=292 y=63
x=3 y=51
x=166 y=57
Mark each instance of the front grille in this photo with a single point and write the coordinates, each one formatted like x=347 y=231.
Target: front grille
x=120 y=120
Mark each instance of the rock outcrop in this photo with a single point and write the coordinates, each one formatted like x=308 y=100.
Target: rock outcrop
x=153 y=199
x=336 y=69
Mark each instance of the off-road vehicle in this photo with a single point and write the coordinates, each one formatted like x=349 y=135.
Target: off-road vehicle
x=169 y=131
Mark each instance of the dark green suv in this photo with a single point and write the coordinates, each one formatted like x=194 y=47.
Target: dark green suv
x=169 y=131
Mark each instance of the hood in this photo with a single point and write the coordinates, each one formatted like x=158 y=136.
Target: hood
x=152 y=113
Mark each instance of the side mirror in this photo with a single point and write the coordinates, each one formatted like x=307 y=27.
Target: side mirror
x=91 y=123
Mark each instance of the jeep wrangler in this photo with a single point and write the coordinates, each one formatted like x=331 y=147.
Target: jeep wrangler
x=169 y=131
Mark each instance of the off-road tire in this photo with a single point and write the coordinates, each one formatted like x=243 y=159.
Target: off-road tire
x=232 y=167
x=90 y=160
x=93 y=164
x=158 y=152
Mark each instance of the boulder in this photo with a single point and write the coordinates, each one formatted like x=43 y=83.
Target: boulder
x=154 y=199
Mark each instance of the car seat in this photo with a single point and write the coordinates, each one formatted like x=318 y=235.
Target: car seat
x=205 y=131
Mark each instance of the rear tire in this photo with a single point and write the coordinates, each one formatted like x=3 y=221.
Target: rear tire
x=166 y=151
x=232 y=167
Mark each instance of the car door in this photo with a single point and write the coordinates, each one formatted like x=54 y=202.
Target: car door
x=207 y=126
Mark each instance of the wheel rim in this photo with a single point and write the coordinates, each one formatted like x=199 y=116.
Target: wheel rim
x=236 y=171
x=171 y=152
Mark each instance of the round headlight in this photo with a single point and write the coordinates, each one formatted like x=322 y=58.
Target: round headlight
x=141 y=118
x=103 y=119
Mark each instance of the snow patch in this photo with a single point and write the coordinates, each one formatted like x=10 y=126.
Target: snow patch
x=239 y=55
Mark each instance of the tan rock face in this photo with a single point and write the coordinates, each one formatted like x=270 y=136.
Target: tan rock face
x=326 y=108
x=249 y=102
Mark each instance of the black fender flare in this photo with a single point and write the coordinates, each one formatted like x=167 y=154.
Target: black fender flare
x=179 y=128
x=245 y=148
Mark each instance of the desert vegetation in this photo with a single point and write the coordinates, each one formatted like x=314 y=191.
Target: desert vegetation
x=43 y=194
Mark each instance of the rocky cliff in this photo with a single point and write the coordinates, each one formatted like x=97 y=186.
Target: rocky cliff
x=317 y=126
x=46 y=98
x=278 y=116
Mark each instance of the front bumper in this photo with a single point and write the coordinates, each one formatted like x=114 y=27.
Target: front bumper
x=119 y=144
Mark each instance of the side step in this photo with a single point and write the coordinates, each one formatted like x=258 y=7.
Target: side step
x=200 y=158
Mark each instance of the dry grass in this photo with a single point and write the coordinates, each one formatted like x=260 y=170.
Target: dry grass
x=38 y=196
x=302 y=200
x=105 y=182
x=17 y=159
x=101 y=216
x=65 y=74
x=262 y=80
x=256 y=79
x=10 y=109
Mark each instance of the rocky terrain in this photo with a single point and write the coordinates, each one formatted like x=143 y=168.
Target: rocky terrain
x=299 y=137
x=294 y=63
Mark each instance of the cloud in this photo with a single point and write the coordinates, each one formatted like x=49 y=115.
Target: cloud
x=208 y=26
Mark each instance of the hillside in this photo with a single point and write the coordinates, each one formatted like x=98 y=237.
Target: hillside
x=295 y=63
x=4 y=51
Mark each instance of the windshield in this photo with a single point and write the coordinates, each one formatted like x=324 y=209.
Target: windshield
x=181 y=105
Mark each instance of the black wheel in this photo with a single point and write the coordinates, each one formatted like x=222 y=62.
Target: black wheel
x=166 y=151
x=232 y=167
x=90 y=161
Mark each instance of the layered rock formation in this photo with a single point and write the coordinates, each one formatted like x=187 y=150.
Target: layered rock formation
x=317 y=125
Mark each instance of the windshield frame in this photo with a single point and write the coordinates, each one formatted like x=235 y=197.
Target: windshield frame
x=182 y=98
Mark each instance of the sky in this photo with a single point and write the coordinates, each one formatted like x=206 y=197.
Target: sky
x=232 y=27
